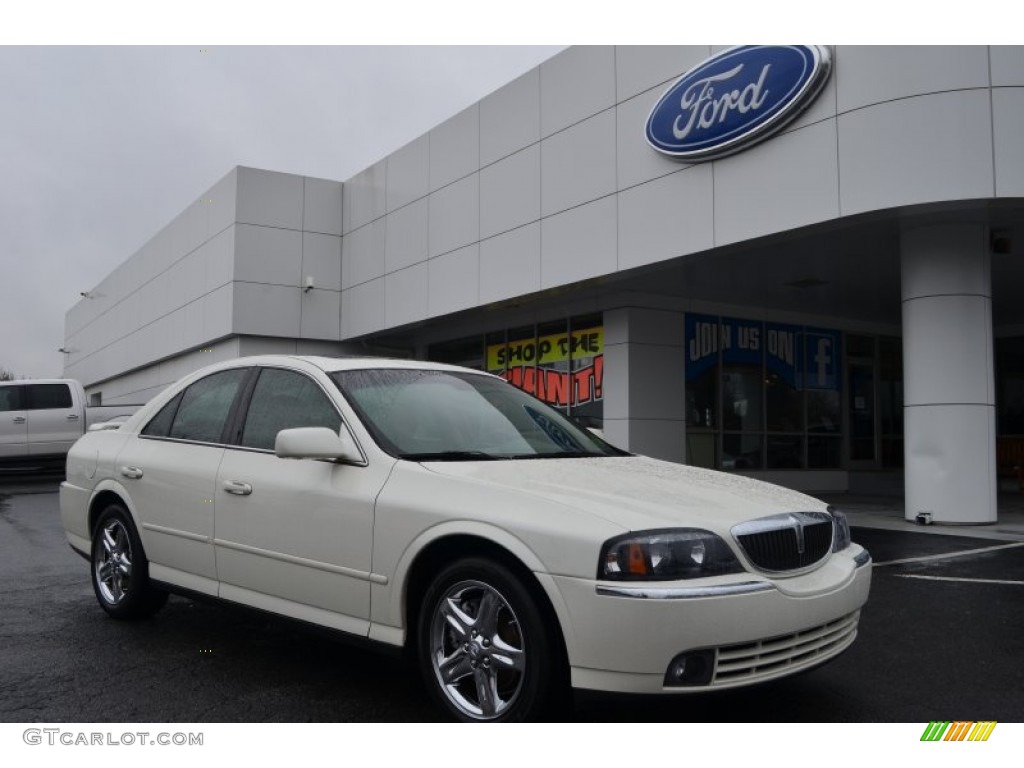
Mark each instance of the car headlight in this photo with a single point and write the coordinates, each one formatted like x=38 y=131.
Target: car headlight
x=840 y=531
x=679 y=553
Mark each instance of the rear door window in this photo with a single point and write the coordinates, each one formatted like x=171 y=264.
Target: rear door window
x=206 y=405
x=10 y=399
x=160 y=425
x=43 y=397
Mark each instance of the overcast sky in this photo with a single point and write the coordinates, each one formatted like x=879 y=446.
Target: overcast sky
x=103 y=146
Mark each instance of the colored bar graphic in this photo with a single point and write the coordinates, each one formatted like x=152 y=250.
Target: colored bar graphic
x=960 y=730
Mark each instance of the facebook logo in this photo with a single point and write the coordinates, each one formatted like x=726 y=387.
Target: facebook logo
x=823 y=357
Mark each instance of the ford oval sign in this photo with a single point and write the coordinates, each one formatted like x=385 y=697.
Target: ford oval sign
x=736 y=98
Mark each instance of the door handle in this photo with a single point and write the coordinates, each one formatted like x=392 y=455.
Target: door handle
x=72 y=417
x=19 y=419
x=133 y=472
x=237 y=488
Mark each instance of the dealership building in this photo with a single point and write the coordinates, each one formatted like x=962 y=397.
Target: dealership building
x=799 y=263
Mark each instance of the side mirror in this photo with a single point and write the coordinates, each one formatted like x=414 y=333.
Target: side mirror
x=316 y=443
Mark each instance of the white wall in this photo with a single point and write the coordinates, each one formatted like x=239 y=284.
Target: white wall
x=232 y=263
x=549 y=180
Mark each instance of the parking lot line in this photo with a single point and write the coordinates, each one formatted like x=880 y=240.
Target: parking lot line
x=958 y=578
x=948 y=555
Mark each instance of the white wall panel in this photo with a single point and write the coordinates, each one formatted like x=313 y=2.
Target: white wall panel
x=666 y=217
x=510 y=192
x=951 y=478
x=916 y=150
x=453 y=281
x=405 y=296
x=321 y=260
x=576 y=84
x=510 y=264
x=409 y=173
x=658 y=438
x=578 y=164
x=362 y=254
x=1008 y=131
x=364 y=197
x=268 y=255
x=218 y=255
x=616 y=380
x=269 y=198
x=362 y=309
x=265 y=310
x=320 y=315
x=788 y=182
x=639 y=67
x=954 y=365
x=1007 y=64
x=194 y=326
x=455 y=148
x=579 y=243
x=636 y=161
x=510 y=118
x=223 y=197
x=406 y=240
x=194 y=275
x=870 y=74
x=455 y=215
x=321 y=208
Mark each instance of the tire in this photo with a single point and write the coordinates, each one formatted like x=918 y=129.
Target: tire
x=484 y=650
x=120 y=571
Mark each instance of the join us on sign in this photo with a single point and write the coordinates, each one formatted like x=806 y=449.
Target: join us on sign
x=805 y=358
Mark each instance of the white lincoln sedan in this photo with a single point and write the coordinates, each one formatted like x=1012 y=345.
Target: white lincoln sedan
x=443 y=510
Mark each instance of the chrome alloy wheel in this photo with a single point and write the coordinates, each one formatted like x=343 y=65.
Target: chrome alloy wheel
x=477 y=650
x=113 y=562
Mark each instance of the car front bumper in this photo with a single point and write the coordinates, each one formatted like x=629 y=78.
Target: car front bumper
x=623 y=637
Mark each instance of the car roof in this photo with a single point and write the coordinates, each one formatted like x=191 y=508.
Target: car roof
x=332 y=364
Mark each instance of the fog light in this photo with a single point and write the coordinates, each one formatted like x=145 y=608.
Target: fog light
x=691 y=668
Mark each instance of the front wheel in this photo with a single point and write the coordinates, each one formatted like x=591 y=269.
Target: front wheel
x=485 y=652
x=120 y=573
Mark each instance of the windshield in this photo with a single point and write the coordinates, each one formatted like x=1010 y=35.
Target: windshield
x=424 y=415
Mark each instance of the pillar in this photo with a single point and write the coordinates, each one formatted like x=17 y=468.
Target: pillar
x=948 y=374
x=644 y=405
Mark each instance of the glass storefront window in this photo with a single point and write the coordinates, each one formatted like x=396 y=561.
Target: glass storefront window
x=785 y=451
x=1009 y=386
x=824 y=452
x=741 y=451
x=560 y=362
x=758 y=394
x=742 y=388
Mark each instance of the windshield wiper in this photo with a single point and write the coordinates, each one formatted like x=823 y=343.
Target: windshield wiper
x=452 y=456
x=561 y=455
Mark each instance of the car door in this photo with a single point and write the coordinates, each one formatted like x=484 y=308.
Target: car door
x=169 y=471
x=13 y=428
x=54 y=422
x=294 y=536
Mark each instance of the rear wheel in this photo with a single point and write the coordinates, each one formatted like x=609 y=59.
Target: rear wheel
x=485 y=652
x=120 y=572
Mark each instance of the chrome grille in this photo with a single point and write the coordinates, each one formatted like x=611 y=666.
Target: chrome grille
x=789 y=542
x=764 y=659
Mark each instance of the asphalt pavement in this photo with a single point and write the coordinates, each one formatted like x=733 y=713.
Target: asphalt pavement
x=942 y=638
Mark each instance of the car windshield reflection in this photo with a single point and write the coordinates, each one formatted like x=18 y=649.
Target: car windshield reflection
x=432 y=415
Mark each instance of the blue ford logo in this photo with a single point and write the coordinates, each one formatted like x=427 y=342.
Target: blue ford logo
x=736 y=98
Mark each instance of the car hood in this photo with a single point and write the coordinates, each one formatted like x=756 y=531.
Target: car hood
x=637 y=492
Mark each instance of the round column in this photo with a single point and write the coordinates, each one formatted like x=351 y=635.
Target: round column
x=948 y=374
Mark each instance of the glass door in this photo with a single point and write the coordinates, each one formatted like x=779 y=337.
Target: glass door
x=861 y=412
